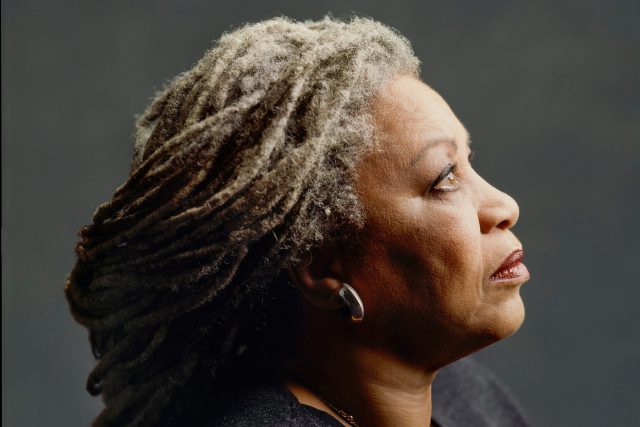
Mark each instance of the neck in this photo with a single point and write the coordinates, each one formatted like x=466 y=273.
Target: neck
x=371 y=385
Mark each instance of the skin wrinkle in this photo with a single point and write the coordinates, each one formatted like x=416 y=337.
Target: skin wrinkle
x=184 y=251
x=286 y=149
x=424 y=262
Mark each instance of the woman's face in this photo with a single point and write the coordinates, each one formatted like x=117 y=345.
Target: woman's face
x=435 y=234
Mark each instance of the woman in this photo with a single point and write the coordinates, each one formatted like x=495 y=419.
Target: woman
x=301 y=241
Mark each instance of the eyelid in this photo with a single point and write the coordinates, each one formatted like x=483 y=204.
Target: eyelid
x=451 y=168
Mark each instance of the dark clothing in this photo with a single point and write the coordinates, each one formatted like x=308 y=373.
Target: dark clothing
x=468 y=394
x=464 y=394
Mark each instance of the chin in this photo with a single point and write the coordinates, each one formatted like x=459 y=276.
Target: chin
x=509 y=317
x=491 y=324
x=500 y=322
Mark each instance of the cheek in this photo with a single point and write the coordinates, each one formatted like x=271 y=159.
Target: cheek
x=452 y=261
x=432 y=265
x=457 y=252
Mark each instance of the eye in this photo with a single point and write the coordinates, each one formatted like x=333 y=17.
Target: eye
x=447 y=181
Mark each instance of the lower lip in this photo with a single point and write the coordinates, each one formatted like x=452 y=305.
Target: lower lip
x=514 y=274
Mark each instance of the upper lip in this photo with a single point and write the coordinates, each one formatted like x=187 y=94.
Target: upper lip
x=511 y=260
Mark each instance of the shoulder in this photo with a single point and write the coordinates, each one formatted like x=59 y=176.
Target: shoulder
x=264 y=401
x=467 y=393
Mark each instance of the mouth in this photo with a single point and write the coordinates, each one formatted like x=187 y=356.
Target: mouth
x=512 y=269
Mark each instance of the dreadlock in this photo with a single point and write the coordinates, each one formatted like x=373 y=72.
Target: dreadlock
x=241 y=165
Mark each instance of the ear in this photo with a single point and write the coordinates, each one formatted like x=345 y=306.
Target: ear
x=320 y=278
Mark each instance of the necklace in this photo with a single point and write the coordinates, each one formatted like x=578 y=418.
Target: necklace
x=348 y=418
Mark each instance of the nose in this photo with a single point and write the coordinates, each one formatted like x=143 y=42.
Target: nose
x=496 y=209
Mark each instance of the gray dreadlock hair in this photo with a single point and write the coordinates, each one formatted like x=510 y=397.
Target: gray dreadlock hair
x=241 y=165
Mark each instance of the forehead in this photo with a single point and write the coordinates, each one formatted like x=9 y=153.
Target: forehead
x=407 y=113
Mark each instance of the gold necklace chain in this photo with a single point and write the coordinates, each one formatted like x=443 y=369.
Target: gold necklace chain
x=348 y=418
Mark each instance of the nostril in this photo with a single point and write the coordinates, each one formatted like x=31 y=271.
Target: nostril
x=502 y=214
x=506 y=224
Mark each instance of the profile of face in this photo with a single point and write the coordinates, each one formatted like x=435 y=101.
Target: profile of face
x=435 y=234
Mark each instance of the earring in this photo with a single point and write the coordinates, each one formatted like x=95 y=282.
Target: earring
x=353 y=308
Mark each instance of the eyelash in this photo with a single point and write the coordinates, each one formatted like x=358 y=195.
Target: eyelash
x=451 y=168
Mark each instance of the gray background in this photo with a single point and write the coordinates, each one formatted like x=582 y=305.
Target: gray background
x=548 y=89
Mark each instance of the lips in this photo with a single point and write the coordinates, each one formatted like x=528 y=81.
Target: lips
x=511 y=268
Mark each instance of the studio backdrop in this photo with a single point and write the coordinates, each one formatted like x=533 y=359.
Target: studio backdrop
x=548 y=90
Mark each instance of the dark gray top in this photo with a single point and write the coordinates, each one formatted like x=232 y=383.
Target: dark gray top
x=465 y=394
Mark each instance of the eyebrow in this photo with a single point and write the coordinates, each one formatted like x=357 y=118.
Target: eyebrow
x=428 y=146
x=434 y=143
